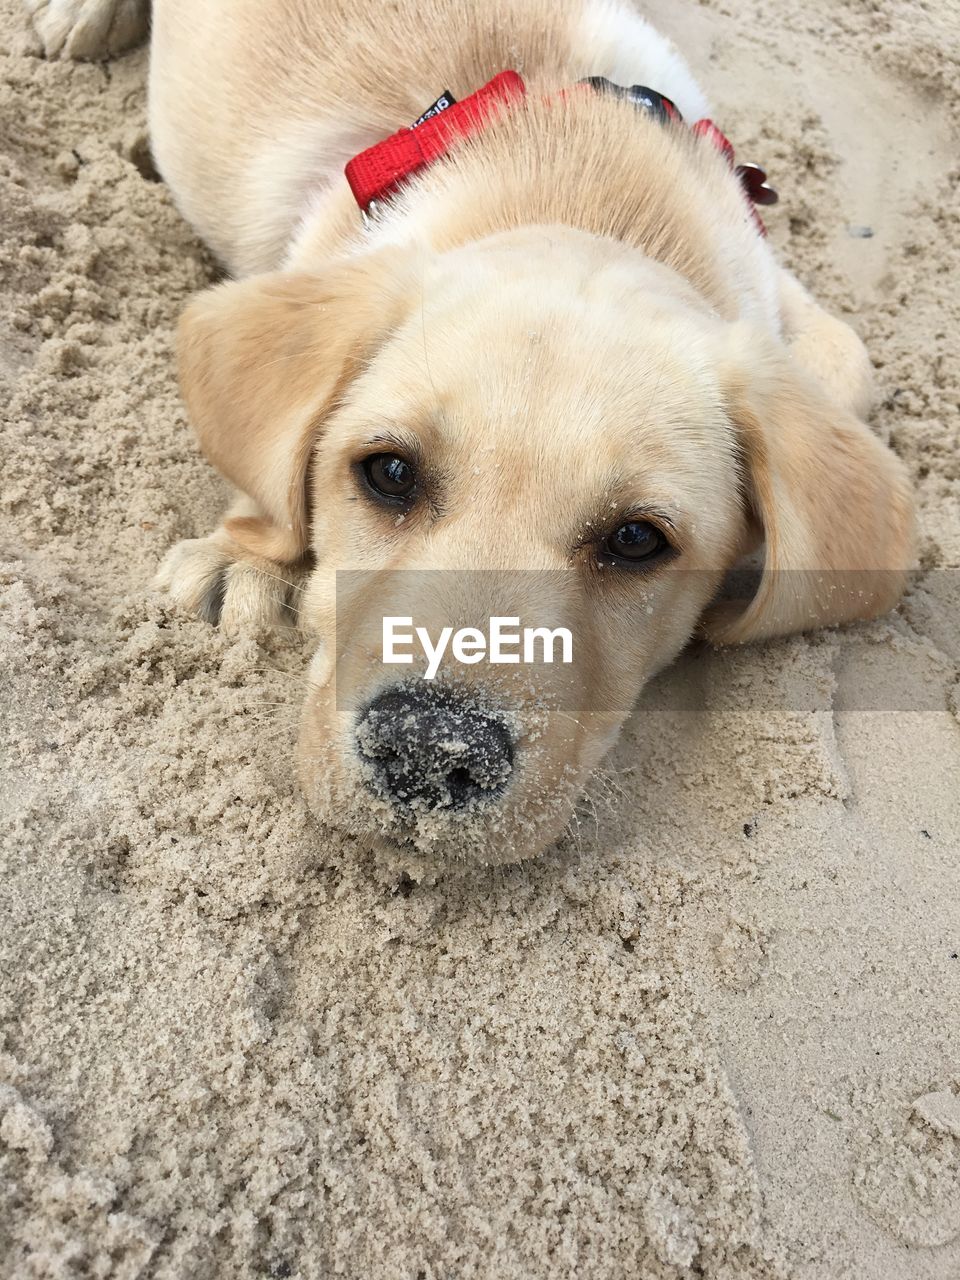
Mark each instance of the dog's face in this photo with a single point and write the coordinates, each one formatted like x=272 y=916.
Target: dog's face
x=539 y=437
x=543 y=425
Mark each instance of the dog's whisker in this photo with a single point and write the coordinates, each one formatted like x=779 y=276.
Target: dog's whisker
x=295 y=586
x=587 y=800
x=273 y=711
x=608 y=786
x=423 y=334
x=264 y=709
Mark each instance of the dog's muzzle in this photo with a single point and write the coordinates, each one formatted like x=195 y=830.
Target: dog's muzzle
x=429 y=748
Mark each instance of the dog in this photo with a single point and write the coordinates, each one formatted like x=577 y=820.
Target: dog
x=550 y=367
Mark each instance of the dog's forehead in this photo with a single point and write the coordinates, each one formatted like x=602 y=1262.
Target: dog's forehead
x=564 y=335
x=553 y=274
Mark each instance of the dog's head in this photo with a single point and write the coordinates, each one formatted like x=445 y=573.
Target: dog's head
x=544 y=425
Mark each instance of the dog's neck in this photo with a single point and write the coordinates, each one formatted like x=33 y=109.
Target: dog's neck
x=588 y=163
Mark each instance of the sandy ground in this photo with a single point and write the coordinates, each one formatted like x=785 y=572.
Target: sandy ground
x=715 y=1035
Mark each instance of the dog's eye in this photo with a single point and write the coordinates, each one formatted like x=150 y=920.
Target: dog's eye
x=635 y=541
x=390 y=476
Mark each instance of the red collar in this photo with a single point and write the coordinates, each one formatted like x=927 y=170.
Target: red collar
x=379 y=172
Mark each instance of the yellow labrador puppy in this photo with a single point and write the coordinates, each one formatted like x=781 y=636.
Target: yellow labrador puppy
x=545 y=366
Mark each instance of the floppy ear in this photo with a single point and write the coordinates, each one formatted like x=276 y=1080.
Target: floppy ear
x=834 y=506
x=262 y=362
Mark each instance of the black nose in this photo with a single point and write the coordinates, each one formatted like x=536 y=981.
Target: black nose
x=428 y=747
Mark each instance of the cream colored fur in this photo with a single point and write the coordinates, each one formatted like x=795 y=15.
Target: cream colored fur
x=573 y=315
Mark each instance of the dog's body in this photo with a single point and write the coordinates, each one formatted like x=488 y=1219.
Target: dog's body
x=572 y=314
x=256 y=108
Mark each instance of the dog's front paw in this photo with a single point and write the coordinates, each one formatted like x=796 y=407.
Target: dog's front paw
x=87 y=29
x=204 y=577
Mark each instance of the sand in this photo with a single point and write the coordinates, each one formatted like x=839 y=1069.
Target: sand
x=715 y=1034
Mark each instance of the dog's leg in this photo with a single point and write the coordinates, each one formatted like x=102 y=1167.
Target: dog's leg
x=826 y=347
x=227 y=586
x=88 y=28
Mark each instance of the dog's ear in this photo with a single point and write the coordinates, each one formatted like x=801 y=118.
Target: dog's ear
x=262 y=362
x=833 y=505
